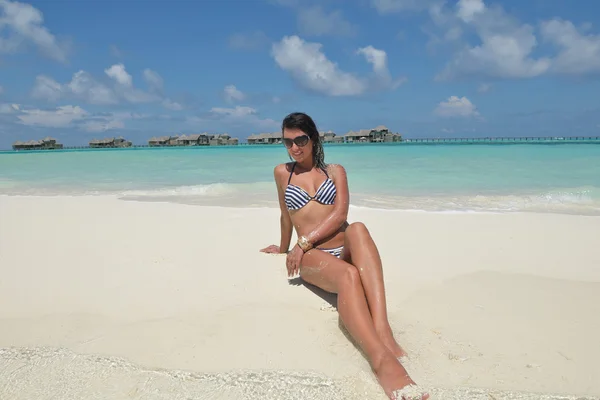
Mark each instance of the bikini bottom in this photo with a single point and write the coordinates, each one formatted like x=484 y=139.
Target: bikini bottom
x=336 y=252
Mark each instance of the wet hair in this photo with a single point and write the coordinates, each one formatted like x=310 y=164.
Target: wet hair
x=306 y=124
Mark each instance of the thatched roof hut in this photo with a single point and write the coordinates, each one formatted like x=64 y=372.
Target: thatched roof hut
x=48 y=143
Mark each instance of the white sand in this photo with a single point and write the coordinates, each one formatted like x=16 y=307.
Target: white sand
x=504 y=303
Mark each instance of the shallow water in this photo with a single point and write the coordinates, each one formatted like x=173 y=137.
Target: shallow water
x=561 y=178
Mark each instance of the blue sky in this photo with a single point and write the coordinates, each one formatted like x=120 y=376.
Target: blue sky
x=78 y=70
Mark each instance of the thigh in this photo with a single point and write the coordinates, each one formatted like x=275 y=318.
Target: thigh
x=323 y=270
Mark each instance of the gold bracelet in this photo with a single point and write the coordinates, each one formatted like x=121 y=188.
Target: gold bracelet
x=304 y=244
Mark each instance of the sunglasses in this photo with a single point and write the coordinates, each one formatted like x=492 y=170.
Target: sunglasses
x=299 y=140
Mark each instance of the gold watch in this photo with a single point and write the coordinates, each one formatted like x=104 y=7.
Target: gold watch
x=304 y=244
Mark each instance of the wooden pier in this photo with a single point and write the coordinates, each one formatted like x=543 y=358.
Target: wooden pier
x=505 y=140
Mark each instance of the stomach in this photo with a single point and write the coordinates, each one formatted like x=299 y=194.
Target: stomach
x=310 y=216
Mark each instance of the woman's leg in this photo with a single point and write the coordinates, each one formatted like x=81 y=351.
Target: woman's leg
x=360 y=250
x=337 y=276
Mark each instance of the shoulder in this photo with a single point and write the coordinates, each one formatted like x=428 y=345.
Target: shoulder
x=336 y=170
x=282 y=170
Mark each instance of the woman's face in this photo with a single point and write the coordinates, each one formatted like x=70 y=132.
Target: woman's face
x=298 y=144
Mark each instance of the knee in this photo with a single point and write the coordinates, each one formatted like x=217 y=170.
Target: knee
x=351 y=277
x=357 y=229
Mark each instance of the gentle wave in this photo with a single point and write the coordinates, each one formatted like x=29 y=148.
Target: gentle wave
x=58 y=373
x=578 y=200
x=584 y=201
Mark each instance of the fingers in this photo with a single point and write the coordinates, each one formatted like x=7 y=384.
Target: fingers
x=290 y=266
x=270 y=249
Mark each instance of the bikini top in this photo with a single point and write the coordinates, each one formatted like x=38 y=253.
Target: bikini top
x=296 y=197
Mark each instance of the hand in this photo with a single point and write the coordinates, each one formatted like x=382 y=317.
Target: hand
x=292 y=261
x=271 y=249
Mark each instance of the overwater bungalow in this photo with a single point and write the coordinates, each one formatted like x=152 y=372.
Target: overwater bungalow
x=158 y=141
x=222 y=139
x=194 y=139
x=330 y=137
x=48 y=143
x=275 y=138
x=109 y=143
x=265 y=138
x=375 y=135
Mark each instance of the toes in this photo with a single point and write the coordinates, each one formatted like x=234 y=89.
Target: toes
x=410 y=392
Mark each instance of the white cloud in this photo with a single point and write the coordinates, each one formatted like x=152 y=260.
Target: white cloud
x=103 y=126
x=119 y=74
x=507 y=47
x=106 y=122
x=154 y=81
x=316 y=21
x=24 y=24
x=378 y=58
x=505 y=50
x=60 y=117
x=6 y=108
x=238 y=116
x=467 y=9
x=456 y=107
x=68 y=116
x=578 y=53
x=233 y=94
x=172 y=105
x=311 y=68
x=237 y=112
x=119 y=86
x=82 y=86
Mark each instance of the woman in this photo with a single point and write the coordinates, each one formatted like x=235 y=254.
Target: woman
x=330 y=253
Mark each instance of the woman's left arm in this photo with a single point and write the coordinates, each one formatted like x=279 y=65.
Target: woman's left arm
x=339 y=215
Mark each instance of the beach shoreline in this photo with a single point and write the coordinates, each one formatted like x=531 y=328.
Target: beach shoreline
x=495 y=302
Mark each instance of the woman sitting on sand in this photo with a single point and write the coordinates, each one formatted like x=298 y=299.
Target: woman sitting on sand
x=330 y=253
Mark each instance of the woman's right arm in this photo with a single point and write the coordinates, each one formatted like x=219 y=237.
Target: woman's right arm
x=284 y=220
x=279 y=173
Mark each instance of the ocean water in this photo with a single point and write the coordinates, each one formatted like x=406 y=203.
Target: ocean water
x=560 y=178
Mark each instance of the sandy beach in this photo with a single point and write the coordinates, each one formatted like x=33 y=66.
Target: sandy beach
x=104 y=298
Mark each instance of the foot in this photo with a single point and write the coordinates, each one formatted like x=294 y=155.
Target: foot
x=394 y=380
x=387 y=337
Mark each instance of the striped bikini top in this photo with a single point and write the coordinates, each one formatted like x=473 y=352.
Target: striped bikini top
x=296 y=197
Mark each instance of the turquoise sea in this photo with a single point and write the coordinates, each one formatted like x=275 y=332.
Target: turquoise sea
x=560 y=178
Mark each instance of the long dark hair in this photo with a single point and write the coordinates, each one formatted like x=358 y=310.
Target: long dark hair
x=306 y=124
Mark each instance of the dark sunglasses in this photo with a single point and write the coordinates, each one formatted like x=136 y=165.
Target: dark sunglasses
x=299 y=140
